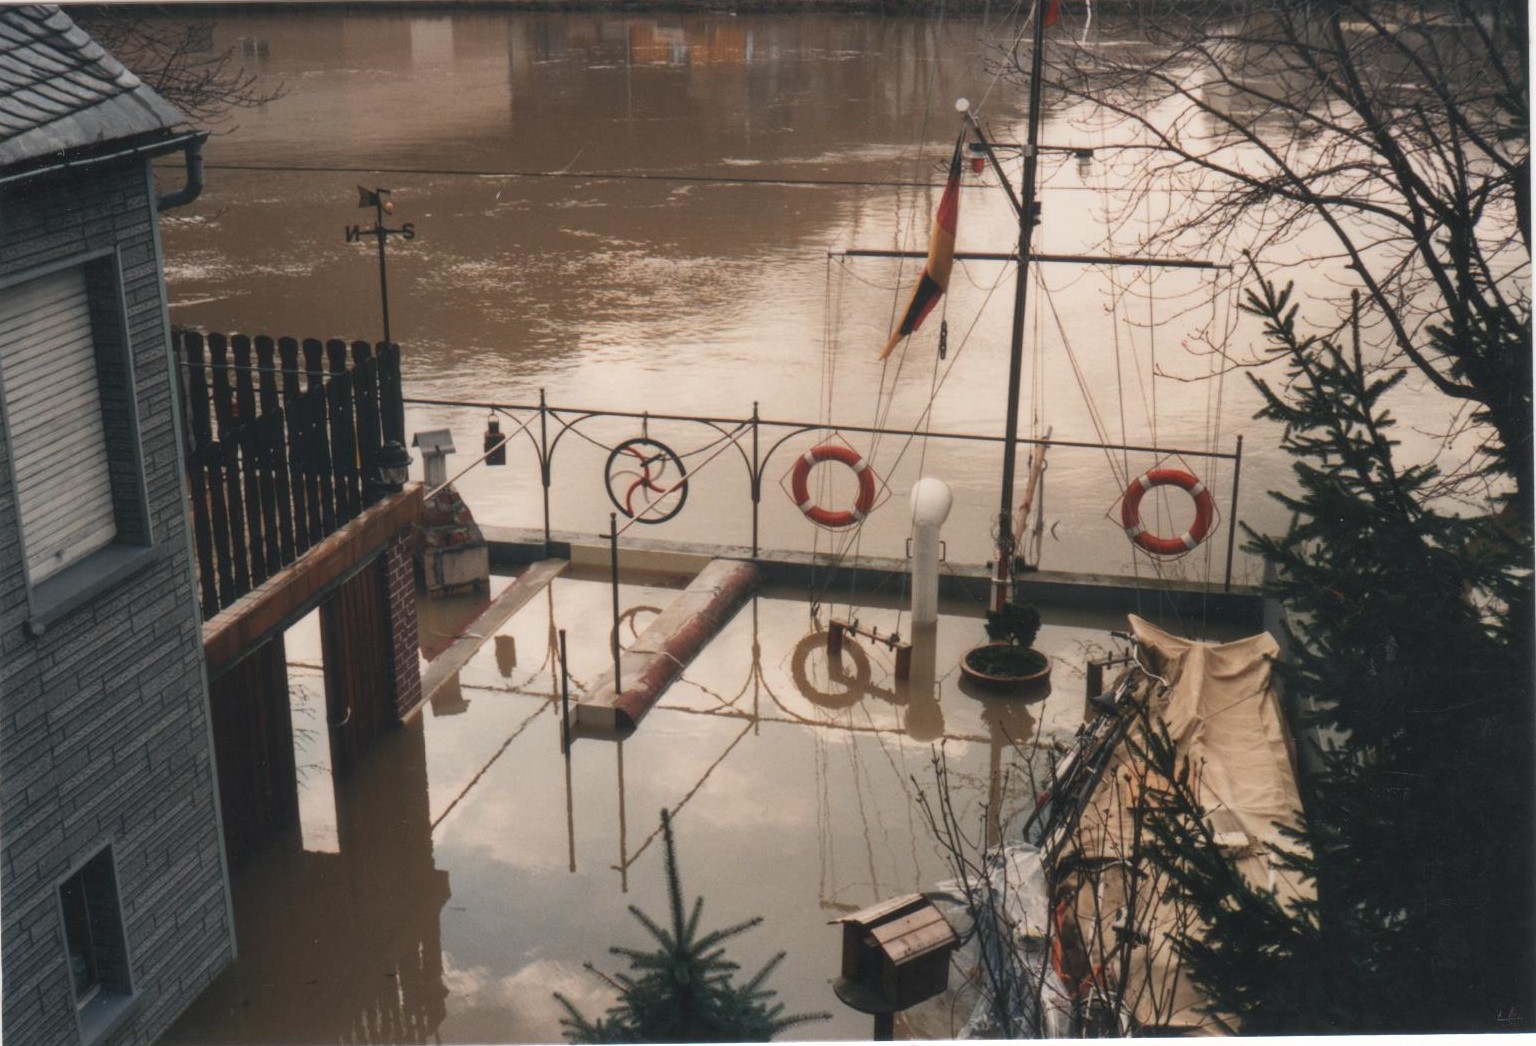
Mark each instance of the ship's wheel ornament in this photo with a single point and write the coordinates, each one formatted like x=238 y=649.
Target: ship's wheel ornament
x=646 y=480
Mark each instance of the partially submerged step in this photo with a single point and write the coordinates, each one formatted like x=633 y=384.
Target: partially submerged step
x=657 y=658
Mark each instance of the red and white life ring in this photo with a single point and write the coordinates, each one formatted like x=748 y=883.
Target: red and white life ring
x=1130 y=512
x=799 y=485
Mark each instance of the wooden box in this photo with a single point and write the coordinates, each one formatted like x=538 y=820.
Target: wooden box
x=898 y=951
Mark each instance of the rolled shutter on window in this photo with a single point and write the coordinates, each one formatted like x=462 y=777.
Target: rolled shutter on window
x=53 y=419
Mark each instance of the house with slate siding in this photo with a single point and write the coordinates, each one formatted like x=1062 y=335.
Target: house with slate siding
x=114 y=893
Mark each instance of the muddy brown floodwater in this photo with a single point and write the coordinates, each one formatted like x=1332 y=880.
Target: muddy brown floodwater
x=635 y=212
x=466 y=871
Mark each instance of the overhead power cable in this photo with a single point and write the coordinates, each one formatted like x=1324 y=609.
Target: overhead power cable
x=605 y=176
x=580 y=176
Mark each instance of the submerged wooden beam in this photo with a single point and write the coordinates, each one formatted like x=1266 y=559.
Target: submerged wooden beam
x=663 y=650
x=529 y=583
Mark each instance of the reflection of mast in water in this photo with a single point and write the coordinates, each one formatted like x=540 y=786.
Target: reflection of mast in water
x=1010 y=723
x=923 y=721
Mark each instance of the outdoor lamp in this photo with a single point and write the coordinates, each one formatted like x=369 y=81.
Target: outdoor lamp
x=394 y=467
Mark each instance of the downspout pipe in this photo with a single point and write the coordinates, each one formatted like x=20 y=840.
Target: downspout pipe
x=193 y=153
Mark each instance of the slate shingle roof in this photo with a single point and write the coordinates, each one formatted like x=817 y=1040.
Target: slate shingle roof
x=59 y=90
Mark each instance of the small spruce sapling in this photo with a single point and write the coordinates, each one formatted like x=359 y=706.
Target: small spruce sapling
x=683 y=990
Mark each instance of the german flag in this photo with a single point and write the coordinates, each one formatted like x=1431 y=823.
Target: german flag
x=941 y=257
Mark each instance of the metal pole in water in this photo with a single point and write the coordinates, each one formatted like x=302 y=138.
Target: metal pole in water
x=757 y=480
x=613 y=566
x=544 y=476
x=565 y=702
x=1237 y=475
x=382 y=233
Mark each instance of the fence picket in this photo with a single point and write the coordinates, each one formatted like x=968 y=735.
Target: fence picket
x=230 y=584
x=195 y=362
x=245 y=386
x=267 y=451
x=391 y=395
x=317 y=441
x=274 y=451
x=365 y=399
x=282 y=448
x=222 y=393
x=266 y=374
x=202 y=538
x=288 y=352
x=343 y=447
x=250 y=478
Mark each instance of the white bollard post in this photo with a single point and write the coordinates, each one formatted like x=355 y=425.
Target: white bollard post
x=931 y=501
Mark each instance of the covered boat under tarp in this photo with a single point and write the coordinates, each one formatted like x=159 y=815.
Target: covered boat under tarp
x=1113 y=928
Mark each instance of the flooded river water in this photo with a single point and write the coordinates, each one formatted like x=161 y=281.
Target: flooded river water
x=637 y=213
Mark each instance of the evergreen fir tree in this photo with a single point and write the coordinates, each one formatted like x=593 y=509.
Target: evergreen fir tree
x=684 y=991
x=1411 y=643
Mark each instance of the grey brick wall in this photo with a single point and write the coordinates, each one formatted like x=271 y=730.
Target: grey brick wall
x=103 y=719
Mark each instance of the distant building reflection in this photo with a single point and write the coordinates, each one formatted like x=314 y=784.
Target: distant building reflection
x=692 y=43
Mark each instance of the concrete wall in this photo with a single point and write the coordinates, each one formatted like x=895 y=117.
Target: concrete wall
x=104 y=735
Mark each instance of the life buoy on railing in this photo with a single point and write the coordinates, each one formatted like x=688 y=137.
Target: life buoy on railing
x=799 y=485
x=1130 y=512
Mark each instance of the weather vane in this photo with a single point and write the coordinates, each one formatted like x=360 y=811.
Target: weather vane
x=375 y=198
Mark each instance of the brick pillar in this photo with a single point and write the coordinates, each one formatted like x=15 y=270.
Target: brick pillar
x=400 y=580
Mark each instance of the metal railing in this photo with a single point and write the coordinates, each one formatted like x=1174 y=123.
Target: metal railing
x=757 y=439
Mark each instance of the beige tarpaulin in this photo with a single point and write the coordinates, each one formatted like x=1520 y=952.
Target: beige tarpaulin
x=1225 y=719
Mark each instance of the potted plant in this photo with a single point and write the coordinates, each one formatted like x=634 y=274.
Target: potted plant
x=1010 y=660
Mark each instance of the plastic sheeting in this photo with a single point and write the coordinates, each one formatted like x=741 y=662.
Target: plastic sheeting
x=1220 y=708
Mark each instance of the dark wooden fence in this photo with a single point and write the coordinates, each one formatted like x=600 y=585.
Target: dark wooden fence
x=283 y=438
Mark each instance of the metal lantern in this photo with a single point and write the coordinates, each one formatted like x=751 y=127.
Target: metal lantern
x=394 y=467
x=495 y=446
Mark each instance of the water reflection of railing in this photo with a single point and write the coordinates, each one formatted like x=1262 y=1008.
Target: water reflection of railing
x=546 y=425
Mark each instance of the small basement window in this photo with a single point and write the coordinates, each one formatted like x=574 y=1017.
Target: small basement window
x=95 y=948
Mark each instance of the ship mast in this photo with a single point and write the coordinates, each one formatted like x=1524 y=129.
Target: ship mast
x=1026 y=208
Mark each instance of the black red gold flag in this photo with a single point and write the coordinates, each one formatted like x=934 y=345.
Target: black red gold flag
x=941 y=257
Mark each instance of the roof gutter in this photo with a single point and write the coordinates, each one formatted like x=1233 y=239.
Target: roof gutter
x=190 y=140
